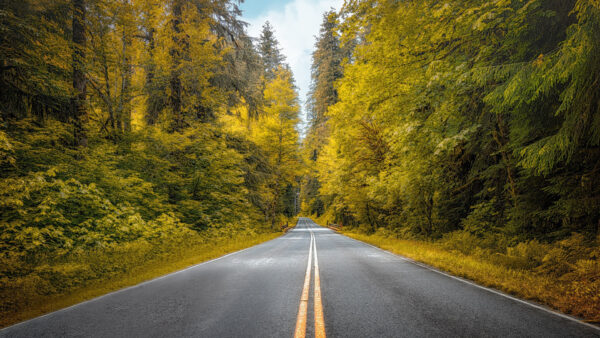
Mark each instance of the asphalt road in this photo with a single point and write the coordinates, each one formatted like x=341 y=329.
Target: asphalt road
x=262 y=291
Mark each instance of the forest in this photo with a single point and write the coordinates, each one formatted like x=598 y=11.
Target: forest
x=470 y=127
x=132 y=131
x=138 y=133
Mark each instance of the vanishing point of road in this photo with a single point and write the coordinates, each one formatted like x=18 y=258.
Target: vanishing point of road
x=309 y=282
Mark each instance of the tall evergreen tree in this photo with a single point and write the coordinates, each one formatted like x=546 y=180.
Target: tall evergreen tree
x=270 y=53
x=326 y=69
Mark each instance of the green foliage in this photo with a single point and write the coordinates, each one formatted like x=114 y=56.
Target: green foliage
x=35 y=71
x=483 y=120
x=326 y=69
x=270 y=53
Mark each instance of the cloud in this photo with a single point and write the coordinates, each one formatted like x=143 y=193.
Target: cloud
x=296 y=26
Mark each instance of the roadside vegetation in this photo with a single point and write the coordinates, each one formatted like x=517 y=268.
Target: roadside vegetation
x=136 y=138
x=465 y=134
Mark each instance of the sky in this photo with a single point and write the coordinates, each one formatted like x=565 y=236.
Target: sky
x=296 y=23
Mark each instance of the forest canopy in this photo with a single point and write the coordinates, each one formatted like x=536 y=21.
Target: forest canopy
x=432 y=117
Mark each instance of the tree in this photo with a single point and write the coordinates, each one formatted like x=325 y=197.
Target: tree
x=326 y=69
x=268 y=48
x=36 y=77
x=78 y=102
x=177 y=52
x=154 y=89
x=275 y=132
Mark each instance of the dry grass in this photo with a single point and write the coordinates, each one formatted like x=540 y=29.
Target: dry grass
x=574 y=294
x=128 y=267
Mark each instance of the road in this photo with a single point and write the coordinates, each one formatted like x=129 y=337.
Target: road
x=269 y=291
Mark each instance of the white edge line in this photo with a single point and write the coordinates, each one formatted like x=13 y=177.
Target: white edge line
x=497 y=292
x=137 y=285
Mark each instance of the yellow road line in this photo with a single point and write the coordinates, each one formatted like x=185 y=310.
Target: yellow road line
x=302 y=310
x=319 y=321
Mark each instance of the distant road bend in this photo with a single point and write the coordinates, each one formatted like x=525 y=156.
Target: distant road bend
x=309 y=282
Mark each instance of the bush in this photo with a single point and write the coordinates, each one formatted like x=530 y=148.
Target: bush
x=461 y=241
x=526 y=255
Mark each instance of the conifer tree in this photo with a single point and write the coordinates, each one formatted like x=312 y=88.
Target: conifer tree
x=326 y=69
x=270 y=53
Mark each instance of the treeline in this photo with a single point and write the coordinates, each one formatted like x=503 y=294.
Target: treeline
x=463 y=118
x=465 y=134
x=136 y=122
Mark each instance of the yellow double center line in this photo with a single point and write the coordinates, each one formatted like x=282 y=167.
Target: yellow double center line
x=303 y=309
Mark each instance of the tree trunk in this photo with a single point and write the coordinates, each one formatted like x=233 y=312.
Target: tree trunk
x=125 y=103
x=502 y=140
x=152 y=107
x=175 y=81
x=78 y=101
x=108 y=96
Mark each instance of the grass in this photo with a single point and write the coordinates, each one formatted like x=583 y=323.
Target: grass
x=114 y=270
x=571 y=293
